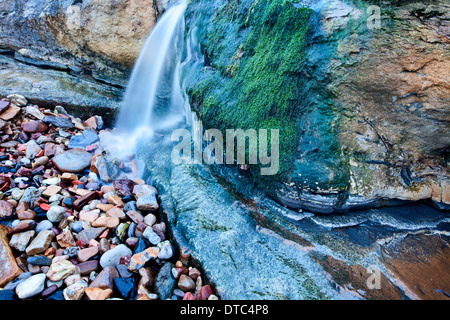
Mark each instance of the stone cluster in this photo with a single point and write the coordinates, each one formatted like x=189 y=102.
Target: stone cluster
x=75 y=222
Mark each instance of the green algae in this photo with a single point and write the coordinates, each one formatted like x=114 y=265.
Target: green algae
x=256 y=50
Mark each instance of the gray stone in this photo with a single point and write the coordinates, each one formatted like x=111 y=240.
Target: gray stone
x=151 y=236
x=166 y=250
x=164 y=282
x=112 y=256
x=59 y=122
x=123 y=271
x=56 y=213
x=147 y=202
x=19 y=241
x=88 y=137
x=75 y=160
x=44 y=225
x=108 y=171
x=32 y=149
x=77 y=226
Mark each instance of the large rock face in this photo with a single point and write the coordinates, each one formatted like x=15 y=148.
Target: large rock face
x=73 y=52
x=97 y=37
x=366 y=121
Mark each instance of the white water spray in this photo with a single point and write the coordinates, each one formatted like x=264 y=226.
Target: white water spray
x=145 y=110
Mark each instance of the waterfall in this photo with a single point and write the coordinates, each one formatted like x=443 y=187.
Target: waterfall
x=143 y=108
x=154 y=100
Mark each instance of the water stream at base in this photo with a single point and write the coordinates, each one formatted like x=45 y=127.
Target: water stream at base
x=251 y=247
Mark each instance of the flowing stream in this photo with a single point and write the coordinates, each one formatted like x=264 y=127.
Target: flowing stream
x=251 y=247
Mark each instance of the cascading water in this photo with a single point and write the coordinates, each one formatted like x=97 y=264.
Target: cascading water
x=154 y=100
x=153 y=67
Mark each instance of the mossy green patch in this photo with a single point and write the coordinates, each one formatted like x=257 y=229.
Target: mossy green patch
x=256 y=49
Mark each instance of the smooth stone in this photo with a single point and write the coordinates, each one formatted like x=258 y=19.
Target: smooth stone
x=88 y=234
x=39 y=260
x=151 y=236
x=13 y=284
x=35 y=112
x=55 y=198
x=26 y=215
x=130 y=206
x=121 y=231
x=185 y=283
x=44 y=225
x=87 y=267
x=49 y=291
x=32 y=149
x=56 y=213
x=60 y=270
x=74 y=160
x=116 y=212
x=105 y=279
x=166 y=250
x=108 y=222
x=65 y=239
x=6 y=209
x=141 y=245
x=147 y=202
x=108 y=171
x=103 y=245
x=141 y=190
x=32 y=286
x=85 y=254
x=88 y=137
x=132 y=230
x=40 y=243
x=77 y=226
x=68 y=202
x=16 y=194
x=135 y=216
x=34 y=126
x=124 y=187
x=112 y=256
x=165 y=283
x=150 y=219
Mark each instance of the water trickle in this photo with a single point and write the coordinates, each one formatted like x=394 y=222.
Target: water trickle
x=152 y=82
x=154 y=100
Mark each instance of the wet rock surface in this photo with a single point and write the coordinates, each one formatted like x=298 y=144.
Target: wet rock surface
x=267 y=251
x=65 y=232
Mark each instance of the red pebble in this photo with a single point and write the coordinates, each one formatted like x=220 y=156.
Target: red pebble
x=188 y=296
x=45 y=206
x=205 y=292
x=77 y=182
x=40 y=153
x=91 y=147
x=81 y=244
